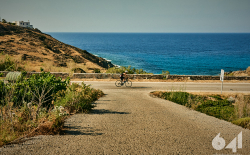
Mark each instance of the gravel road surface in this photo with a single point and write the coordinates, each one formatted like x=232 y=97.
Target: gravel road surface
x=129 y=121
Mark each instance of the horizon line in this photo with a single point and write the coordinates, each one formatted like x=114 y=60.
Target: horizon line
x=152 y=32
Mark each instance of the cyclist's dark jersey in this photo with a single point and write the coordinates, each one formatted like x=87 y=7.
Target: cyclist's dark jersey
x=122 y=76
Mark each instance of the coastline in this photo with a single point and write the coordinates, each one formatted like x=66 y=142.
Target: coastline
x=154 y=52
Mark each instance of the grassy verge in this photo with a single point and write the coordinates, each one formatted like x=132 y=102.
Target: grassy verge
x=39 y=105
x=233 y=108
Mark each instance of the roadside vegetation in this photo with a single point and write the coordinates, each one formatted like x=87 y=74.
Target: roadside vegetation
x=130 y=70
x=9 y=64
x=39 y=104
x=165 y=74
x=232 y=108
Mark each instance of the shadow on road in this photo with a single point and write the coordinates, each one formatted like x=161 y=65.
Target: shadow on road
x=78 y=130
x=139 y=87
x=131 y=87
x=106 y=100
x=72 y=132
x=103 y=111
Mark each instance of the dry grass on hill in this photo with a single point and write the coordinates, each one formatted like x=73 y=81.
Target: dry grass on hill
x=33 y=49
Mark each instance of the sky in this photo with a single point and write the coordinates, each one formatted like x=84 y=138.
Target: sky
x=152 y=16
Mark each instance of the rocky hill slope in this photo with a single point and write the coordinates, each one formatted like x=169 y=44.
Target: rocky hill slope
x=36 y=49
x=239 y=73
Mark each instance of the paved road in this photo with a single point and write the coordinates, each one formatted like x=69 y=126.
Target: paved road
x=176 y=86
x=129 y=121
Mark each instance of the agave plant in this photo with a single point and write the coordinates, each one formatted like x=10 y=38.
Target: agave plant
x=13 y=76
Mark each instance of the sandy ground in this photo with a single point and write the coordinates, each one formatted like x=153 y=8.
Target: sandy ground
x=129 y=121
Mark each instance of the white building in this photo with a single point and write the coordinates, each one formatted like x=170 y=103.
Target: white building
x=23 y=24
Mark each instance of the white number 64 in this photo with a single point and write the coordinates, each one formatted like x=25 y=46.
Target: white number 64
x=219 y=143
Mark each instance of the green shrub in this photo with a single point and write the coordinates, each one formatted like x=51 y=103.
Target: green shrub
x=244 y=122
x=7 y=64
x=30 y=100
x=215 y=106
x=2 y=93
x=209 y=103
x=130 y=70
x=165 y=73
x=221 y=109
x=39 y=89
x=217 y=97
x=41 y=37
x=177 y=97
x=78 y=97
x=96 y=70
x=44 y=86
x=221 y=112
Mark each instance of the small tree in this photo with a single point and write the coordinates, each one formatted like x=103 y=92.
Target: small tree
x=96 y=70
x=165 y=73
x=4 y=21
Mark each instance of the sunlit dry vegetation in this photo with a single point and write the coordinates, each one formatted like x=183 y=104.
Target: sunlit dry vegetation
x=39 y=104
x=230 y=107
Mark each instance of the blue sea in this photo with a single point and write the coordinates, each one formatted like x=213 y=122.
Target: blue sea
x=178 y=53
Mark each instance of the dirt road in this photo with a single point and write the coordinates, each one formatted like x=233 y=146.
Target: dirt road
x=129 y=121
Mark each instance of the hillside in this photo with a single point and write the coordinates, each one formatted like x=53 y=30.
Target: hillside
x=239 y=73
x=32 y=49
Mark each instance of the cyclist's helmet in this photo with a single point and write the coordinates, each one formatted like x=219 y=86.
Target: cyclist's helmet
x=126 y=71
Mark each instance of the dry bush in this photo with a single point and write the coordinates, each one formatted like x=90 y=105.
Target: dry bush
x=20 y=123
x=240 y=105
x=48 y=66
x=10 y=63
x=242 y=110
x=157 y=94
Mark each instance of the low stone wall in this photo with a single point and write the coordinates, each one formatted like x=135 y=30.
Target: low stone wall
x=237 y=78
x=137 y=76
x=202 y=77
x=192 y=77
x=57 y=74
x=155 y=76
x=114 y=76
x=95 y=76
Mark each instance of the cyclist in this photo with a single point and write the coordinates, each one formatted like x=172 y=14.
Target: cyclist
x=123 y=76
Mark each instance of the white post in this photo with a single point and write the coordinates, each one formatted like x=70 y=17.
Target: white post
x=221 y=86
x=222 y=78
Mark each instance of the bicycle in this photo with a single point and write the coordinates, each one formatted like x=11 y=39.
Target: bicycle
x=127 y=83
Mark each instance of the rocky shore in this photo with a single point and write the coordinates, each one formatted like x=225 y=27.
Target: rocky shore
x=239 y=73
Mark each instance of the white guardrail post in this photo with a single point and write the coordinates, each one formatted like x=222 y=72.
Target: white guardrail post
x=222 y=78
